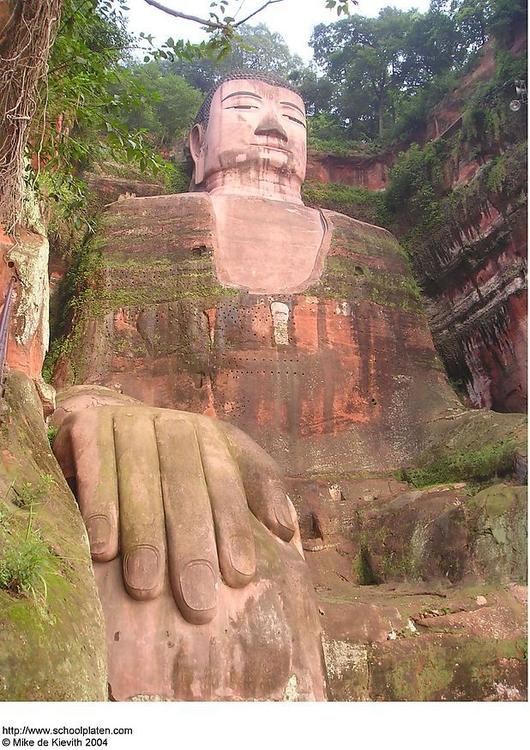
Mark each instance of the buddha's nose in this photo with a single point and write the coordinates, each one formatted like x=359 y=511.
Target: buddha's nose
x=271 y=126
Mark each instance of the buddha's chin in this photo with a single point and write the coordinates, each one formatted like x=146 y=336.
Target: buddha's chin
x=264 y=171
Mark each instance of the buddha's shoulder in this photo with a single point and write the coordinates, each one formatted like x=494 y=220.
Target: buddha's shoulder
x=359 y=236
x=158 y=224
x=160 y=207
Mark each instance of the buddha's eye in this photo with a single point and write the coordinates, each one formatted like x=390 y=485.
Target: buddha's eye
x=295 y=119
x=243 y=106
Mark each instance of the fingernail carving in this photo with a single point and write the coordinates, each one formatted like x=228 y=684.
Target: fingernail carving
x=242 y=555
x=198 y=586
x=141 y=567
x=283 y=518
x=99 y=530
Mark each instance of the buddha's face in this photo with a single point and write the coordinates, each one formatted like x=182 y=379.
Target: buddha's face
x=256 y=135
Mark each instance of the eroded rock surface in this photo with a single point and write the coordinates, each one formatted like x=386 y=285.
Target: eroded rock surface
x=421 y=593
x=46 y=652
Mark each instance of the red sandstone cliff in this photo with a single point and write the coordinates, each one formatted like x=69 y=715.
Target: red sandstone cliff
x=474 y=271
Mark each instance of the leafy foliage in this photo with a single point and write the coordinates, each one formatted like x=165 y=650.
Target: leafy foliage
x=479 y=465
x=25 y=560
x=388 y=72
x=356 y=202
x=252 y=48
x=167 y=107
x=24 y=565
x=88 y=90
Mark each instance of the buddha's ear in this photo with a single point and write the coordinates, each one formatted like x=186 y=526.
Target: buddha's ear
x=197 y=152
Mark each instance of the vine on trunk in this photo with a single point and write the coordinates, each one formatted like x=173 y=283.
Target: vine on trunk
x=23 y=64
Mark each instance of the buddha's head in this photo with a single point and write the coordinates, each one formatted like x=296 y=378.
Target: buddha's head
x=249 y=138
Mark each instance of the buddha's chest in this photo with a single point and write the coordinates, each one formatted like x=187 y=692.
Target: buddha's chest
x=268 y=247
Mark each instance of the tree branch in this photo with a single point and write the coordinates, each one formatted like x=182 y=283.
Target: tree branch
x=186 y=17
x=205 y=22
x=255 y=12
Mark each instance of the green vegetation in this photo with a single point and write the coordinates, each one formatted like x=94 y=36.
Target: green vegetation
x=24 y=565
x=27 y=495
x=52 y=433
x=168 y=105
x=480 y=465
x=420 y=206
x=252 y=48
x=362 y=568
x=25 y=559
x=386 y=73
x=358 y=202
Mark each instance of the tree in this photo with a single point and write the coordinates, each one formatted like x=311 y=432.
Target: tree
x=254 y=47
x=368 y=59
x=508 y=19
x=379 y=66
x=472 y=17
x=26 y=35
x=168 y=105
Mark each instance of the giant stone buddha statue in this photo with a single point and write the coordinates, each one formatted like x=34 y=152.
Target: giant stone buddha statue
x=298 y=326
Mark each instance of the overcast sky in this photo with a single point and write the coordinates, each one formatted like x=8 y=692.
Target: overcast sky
x=293 y=19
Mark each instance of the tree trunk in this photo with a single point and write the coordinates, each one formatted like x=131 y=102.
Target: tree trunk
x=381 y=115
x=27 y=30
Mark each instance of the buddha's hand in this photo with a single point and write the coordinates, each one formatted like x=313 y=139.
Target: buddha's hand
x=155 y=484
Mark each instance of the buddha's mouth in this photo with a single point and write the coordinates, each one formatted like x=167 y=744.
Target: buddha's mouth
x=272 y=148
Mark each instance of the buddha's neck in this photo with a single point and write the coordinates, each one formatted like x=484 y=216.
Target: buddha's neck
x=277 y=186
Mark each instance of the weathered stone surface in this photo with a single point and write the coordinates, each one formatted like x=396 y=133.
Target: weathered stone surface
x=420 y=643
x=444 y=533
x=478 y=312
x=335 y=374
x=109 y=188
x=52 y=639
x=474 y=269
x=29 y=330
x=370 y=172
x=197 y=556
x=263 y=644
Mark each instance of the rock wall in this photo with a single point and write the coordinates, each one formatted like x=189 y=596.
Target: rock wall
x=473 y=270
x=421 y=592
x=52 y=637
x=27 y=259
x=478 y=314
x=369 y=172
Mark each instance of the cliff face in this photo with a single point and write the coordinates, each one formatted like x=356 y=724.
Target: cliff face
x=369 y=172
x=468 y=243
x=27 y=260
x=46 y=652
x=478 y=311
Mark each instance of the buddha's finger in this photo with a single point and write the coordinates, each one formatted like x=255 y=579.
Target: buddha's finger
x=192 y=551
x=263 y=484
x=231 y=514
x=84 y=447
x=142 y=530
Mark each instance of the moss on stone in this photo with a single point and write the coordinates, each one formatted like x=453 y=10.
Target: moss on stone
x=356 y=202
x=499 y=522
x=467 y=465
x=349 y=278
x=51 y=629
x=444 y=667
